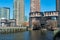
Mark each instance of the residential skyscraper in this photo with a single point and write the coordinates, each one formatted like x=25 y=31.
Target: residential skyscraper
x=57 y=5
x=19 y=11
x=5 y=12
x=35 y=6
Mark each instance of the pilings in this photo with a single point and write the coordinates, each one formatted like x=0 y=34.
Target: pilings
x=11 y=29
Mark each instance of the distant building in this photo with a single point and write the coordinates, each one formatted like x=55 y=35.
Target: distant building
x=35 y=18
x=51 y=18
x=25 y=19
x=57 y=5
x=5 y=12
x=7 y=23
x=12 y=22
x=19 y=11
x=53 y=15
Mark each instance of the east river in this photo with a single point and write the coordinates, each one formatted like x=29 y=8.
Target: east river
x=28 y=35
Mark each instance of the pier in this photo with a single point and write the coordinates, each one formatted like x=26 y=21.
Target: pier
x=11 y=29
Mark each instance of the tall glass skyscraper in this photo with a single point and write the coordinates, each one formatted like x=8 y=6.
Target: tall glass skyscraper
x=19 y=11
x=5 y=13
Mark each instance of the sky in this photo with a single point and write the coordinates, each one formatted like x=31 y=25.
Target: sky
x=45 y=5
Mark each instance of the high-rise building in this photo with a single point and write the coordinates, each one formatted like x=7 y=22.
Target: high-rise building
x=35 y=6
x=58 y=9
x=19 y=11
x=35 y=14
x=25 y=19
x=5 y=12
x=57 y=5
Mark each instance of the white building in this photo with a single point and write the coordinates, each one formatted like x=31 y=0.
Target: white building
x=19 y=11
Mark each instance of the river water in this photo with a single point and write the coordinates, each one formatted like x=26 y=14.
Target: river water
x=28 y=35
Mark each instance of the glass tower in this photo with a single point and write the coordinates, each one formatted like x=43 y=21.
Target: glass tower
x=5 y=13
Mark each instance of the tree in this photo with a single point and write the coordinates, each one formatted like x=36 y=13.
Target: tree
x=25 y=24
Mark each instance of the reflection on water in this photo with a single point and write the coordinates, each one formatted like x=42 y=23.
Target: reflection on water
x=28 y=35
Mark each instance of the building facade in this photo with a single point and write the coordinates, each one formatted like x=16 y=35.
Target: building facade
x=35 y=19
x=57 y=5
x=51 y=18
x=7 y=23
x=45 y=19
x=19 y=11
x=35 y=6
x=5 y=12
